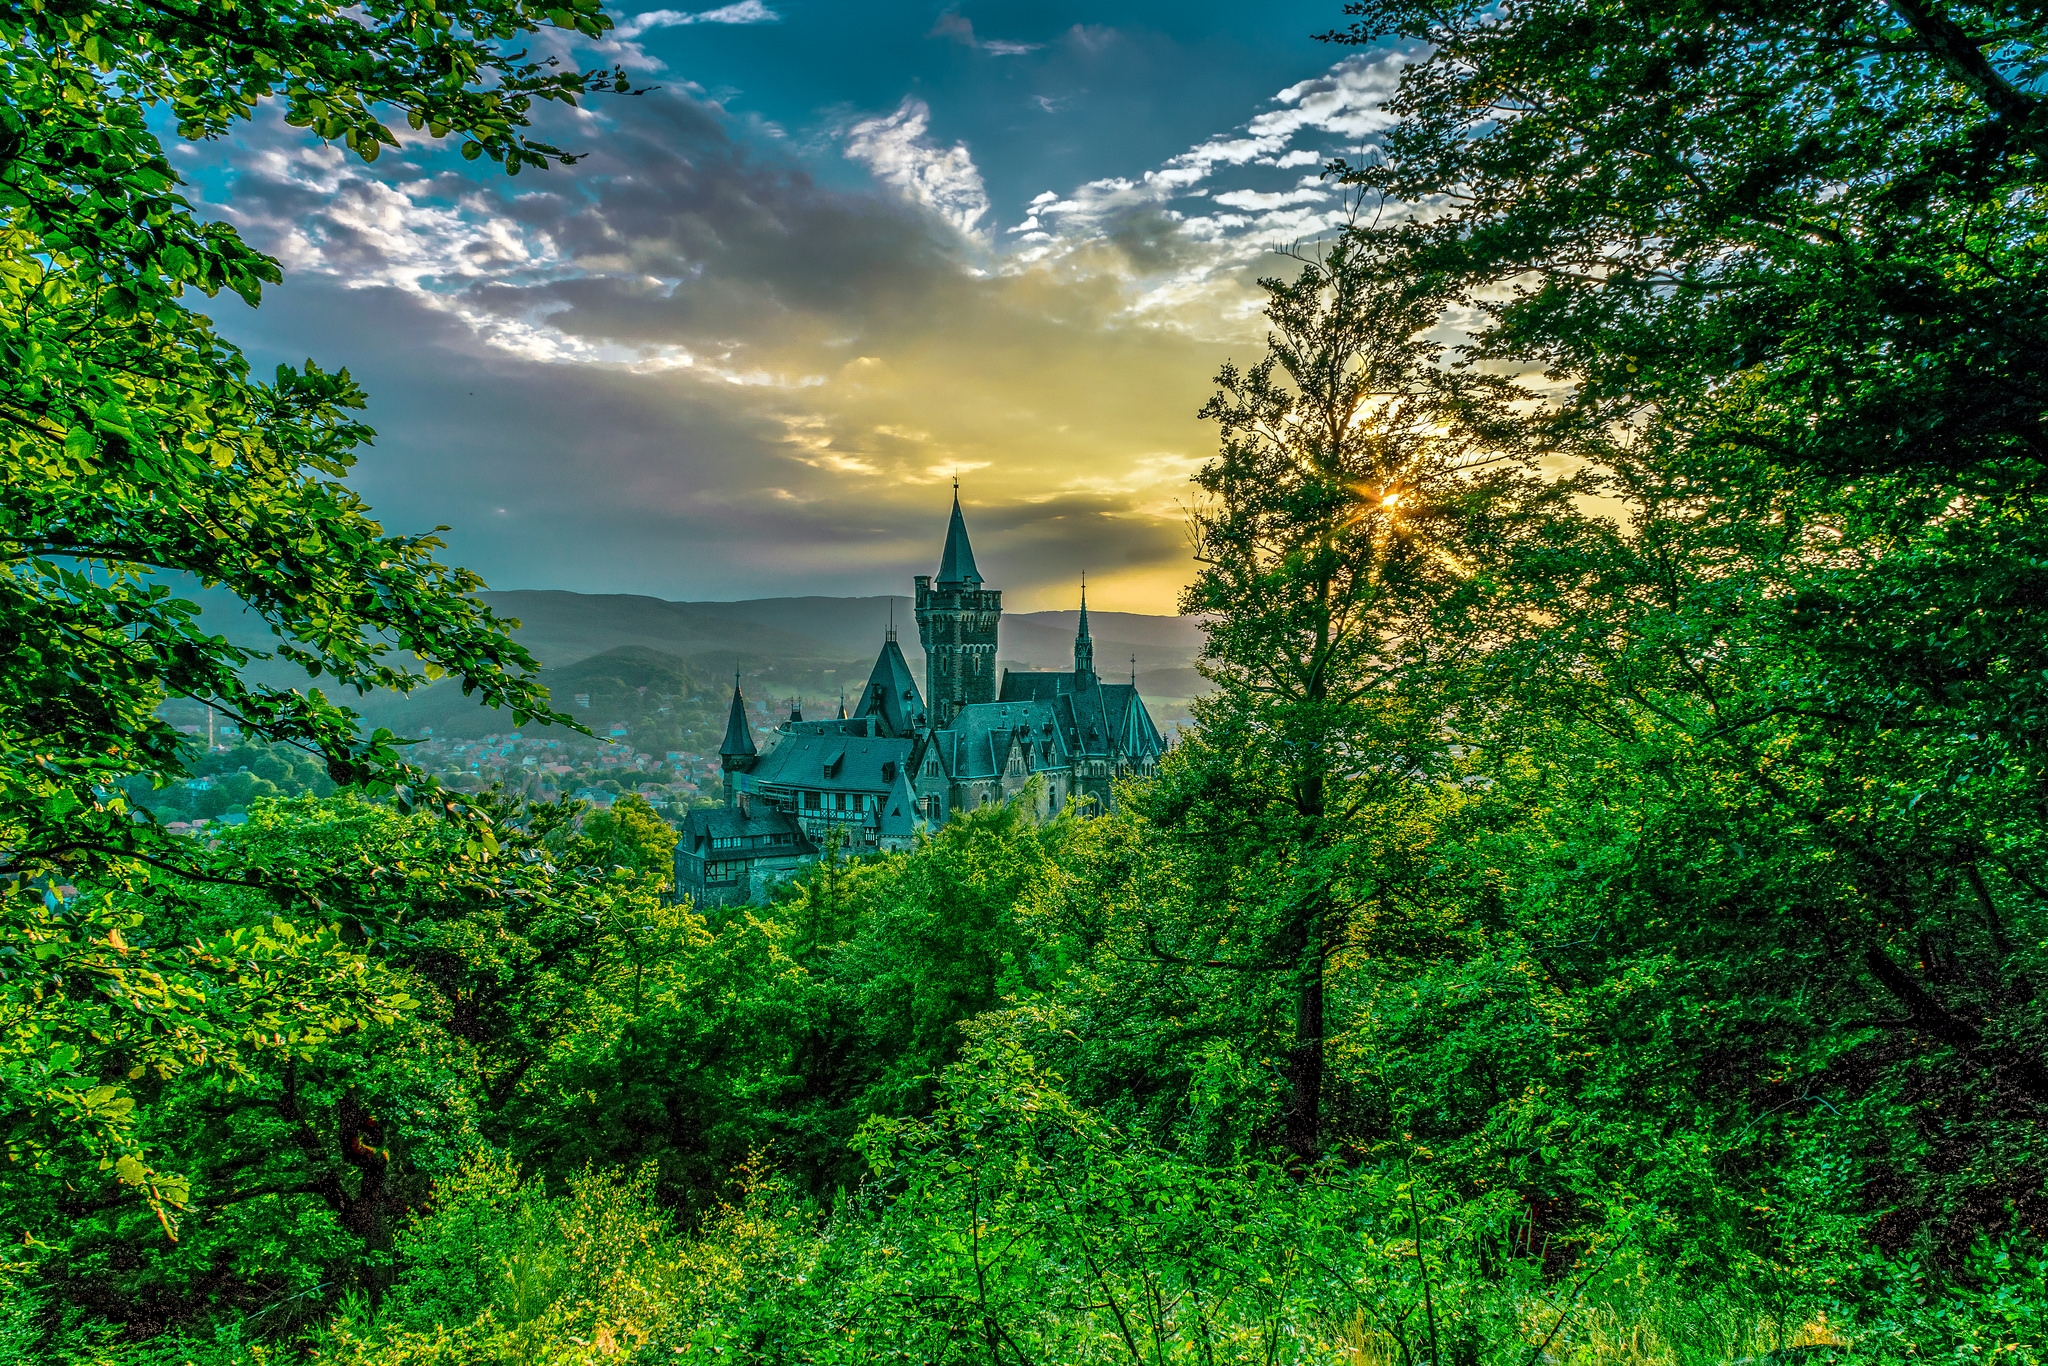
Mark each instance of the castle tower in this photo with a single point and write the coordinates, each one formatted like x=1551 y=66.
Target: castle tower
x=737 y=754
x=1084 y=645
x=956 y=621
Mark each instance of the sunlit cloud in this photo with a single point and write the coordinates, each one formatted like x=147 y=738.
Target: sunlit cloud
x=899 y=152
x=709 y=349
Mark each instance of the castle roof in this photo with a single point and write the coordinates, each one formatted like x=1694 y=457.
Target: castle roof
x=956 y=565
x=763 y=827
x=891 y=696
x=899 y=809
x=826 y=760
x=1099 y=719
x=977 y=743
x=739 y=736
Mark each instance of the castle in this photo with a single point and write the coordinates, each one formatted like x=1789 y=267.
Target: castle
x=908 y=759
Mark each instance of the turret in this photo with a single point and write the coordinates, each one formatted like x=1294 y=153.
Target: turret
x=897 y=825
x=737 y=754
x=1084 y=645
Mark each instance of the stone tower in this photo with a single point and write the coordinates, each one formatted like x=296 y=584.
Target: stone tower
x=956 y=621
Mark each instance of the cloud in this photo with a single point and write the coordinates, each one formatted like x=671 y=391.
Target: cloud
x=744 y=12
x=687 y=371
x=1189 y=229
x=1301 y=156
x=1253 y=199
x=942 y=179
x=686 y=367
x=1092 y=39
x=958 y=27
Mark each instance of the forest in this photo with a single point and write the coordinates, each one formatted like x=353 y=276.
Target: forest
x=1600 y=914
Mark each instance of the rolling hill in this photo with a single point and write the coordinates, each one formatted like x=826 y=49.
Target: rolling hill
x=806 y=648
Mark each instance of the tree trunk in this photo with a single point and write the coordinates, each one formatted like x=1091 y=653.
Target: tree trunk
x=1302 y=1119
x=2016 y=1068
x=1303 y=1116
x=368 y=1214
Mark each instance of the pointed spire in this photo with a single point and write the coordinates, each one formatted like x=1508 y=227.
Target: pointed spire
x=1084 y=644
x=842 y=704
x=956 y=565
x=899 y=818
x=739 y=736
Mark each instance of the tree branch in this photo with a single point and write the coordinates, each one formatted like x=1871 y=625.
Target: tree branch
x=1959 y=52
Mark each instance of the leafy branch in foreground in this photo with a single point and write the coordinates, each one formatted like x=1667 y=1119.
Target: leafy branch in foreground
x=138 y=456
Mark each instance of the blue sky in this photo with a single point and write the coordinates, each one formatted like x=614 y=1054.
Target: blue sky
x=1095 y=90
x=837 y=255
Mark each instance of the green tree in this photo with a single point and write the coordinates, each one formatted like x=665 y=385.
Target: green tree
x=137 y=454
x=315 y=1132
x=1345 y=527
x=633 y=835
x=1783 y=269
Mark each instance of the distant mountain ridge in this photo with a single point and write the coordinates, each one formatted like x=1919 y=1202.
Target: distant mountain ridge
x=786 y=649
x=561 y=627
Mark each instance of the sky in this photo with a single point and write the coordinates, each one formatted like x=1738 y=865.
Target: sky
x=835 y=256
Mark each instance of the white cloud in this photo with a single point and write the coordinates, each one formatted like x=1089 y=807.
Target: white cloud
x=744 y=12
x=1253 y=199
x=1182 y=232
x=943 y=179
x=1171 y=241
x=1347 y=103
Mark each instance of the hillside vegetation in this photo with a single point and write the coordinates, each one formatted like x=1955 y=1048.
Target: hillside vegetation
x=1597 y=917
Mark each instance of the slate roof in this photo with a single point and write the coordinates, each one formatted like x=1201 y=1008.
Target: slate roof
x=827 y=760
x=843 y=726
x=1034 y=685
x=956 y=565
x=899 y=809
x=1126 y=724
x=891 y=696
x=1098 y=719
x=705 y=824
x=739 y=736
x=977 y=744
